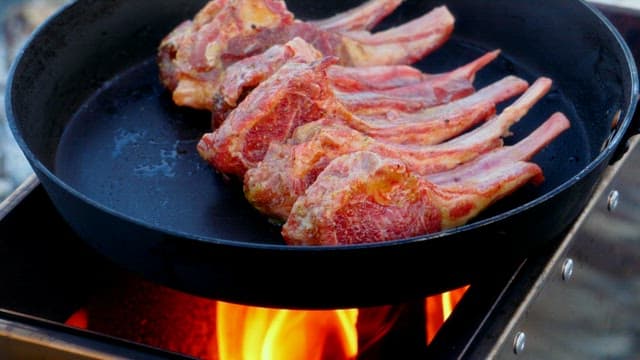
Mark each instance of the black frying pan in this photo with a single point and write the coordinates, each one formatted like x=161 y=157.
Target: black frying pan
x=118 y=158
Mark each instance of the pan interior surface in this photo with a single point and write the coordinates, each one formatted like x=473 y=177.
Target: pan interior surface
x=130 y=149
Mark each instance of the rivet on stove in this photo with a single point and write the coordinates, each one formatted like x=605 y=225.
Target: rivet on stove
x=519 y=342
x=613 y=200
x=567 y=269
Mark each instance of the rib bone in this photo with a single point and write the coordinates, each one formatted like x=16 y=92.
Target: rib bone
x=363 y=17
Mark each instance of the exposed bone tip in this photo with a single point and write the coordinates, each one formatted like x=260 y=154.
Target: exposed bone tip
x=442 y=13
x=543 y=82
x=516 y=80
x=445 y=10
x=546 y=80
x=561 y=120
x=494 y=53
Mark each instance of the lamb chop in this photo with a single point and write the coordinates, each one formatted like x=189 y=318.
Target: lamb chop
x=296 y=94
x=365 y=197
x=368 y=90
x=434 y=124
x=244 y=75
x=288 y=169
x=194 y=55
x=299 y=93
x=403 y=44
x=524 y=150
x=377 y=92
x=189 y=56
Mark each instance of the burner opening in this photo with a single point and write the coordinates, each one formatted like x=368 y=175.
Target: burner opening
x=139 y=311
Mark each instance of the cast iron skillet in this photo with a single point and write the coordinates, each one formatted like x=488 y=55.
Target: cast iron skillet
x=118 y=158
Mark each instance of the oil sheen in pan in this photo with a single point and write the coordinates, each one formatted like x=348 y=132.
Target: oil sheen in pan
x=129 y=148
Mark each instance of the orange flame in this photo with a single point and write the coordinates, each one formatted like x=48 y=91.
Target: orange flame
x=439 y=307
x=246 y=332
x=146 y=313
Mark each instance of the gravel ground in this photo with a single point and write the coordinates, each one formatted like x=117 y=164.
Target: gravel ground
x=17 y=20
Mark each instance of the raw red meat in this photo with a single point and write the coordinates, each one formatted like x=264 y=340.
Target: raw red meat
x=335 y=133
x=403 y=44
x=364 y=197
x=361 y=90
x=299 y=93
x=193 y=57
x=288 y=169
x=189 y=56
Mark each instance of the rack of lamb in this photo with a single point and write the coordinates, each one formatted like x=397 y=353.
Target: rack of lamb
x=336 y=136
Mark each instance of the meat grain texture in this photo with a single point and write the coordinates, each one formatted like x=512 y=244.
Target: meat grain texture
x=336 y=134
